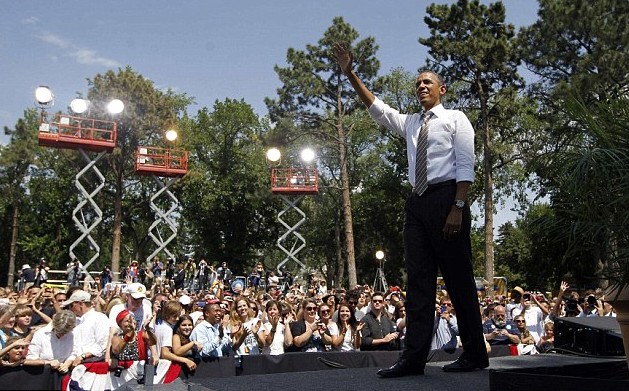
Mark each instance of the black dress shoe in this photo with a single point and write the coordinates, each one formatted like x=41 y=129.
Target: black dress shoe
x=464 y=364
x=403 y=367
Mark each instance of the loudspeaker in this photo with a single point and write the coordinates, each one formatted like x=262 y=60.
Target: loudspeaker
x=597 y=336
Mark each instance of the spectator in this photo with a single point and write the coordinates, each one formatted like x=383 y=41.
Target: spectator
x=446 y=328
x=330 y=335
x=514 y=300
x=527 y=341
x=179 y=277
x=399 y=316
x=349 y=330
x=7 y=321
x=75 y=275
x=278 y=336
x=91 y=334
x=246 y=331
x=306 y=331
x=27 y=277
x=171 y=310
x=14 y=353
x=54 y=344
x=499 y=330
x=106 y=277
x=379 y=332
x=534 y=316
x=22 y=324
x=132 y=345
x=182 y=345
x=212 y=335
x=547 y=341
x=41 y=275
x=592 y=306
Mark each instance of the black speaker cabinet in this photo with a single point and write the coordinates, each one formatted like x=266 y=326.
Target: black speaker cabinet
x=597 y=336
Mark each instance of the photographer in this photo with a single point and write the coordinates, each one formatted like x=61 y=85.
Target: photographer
x=499 y=330
x=591 y=306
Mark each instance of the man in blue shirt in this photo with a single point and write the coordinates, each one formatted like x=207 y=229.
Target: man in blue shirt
x=211 y=333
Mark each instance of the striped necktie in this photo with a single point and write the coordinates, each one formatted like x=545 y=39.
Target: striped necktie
x=421 y=174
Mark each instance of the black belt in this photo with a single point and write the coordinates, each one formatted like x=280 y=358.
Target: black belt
x=435 y=186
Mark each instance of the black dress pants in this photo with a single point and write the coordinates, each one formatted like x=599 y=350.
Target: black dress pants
x=426 y=251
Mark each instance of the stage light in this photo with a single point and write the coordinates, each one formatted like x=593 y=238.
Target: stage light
x=115 y=106
x=171 y=135
x=307 y=155
x=79 y=105
x=43 y=95
x=273 y=155
x=380 y=255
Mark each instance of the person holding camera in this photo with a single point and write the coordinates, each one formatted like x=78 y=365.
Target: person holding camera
x=500 y=331
x=533 y=314
x=446 y=327
x=306 y=330
x=591 y=307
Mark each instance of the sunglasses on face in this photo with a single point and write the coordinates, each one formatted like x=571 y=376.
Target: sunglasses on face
x=376 y=301
x=311 y=308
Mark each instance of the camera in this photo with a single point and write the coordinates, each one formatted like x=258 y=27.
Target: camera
x=118 y=371
x=591 y=300
x=444 y=309
x=526 y=296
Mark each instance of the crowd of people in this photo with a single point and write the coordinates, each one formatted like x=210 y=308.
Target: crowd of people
x=63 y=328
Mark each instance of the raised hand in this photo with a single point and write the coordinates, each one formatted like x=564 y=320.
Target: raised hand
x=343 y=57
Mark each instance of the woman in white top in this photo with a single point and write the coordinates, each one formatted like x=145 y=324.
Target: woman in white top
x=278 y=336
x=247 y=334
x=54 y=343
x=349 y=330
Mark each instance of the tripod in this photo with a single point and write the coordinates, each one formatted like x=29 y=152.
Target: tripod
x=380 y=282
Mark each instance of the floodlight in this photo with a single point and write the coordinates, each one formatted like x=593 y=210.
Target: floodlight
x=79 y=105
x=380 y=255
x=43 y=95
x=307 y=155
x=273 y=155
x=115 y=106
x=171 y=135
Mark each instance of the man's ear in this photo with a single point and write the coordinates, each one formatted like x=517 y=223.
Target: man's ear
x=443 y=89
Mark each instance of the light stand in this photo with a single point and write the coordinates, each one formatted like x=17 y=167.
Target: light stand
x=380 y=281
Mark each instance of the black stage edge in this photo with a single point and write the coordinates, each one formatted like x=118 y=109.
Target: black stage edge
x=561 y=372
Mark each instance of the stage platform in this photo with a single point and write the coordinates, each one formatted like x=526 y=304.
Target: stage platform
x=539 y=372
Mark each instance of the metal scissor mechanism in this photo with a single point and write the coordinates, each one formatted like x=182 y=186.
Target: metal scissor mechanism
x=83 y=134
x=164 y=229
x=87 y=215
x=162 y=162
x=291 y=236
x=292 y=184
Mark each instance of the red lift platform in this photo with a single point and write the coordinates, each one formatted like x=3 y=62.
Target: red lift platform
x=73 y=132
x=297 y=181
x=162 y=162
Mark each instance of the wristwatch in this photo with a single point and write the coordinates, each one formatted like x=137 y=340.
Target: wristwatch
x=459 y=204
x=83 y=357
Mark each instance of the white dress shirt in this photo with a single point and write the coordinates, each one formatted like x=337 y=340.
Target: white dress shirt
x=46 y=346
x=450 y=141
x=91 y=335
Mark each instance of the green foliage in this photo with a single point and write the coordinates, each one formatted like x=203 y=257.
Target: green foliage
x=227 y=205
x=578 y=46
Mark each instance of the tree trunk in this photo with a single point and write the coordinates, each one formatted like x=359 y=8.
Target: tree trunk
x=489 y=194
x=117 y=235
x=346 y=203
x=340 y=262
x=13 y=251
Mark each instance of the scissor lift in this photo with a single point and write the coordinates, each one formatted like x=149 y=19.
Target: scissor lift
x=82 y=134
x=162 y=162
x=292 y=184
